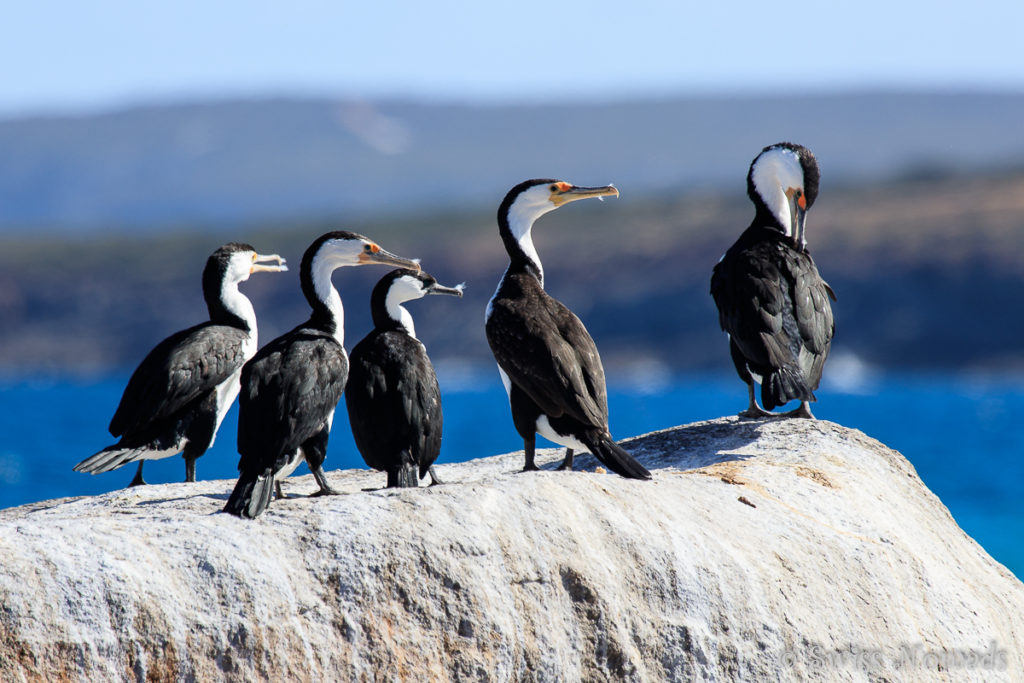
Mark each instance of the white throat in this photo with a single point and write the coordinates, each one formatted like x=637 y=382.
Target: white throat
x=520 y=222
x=403 y=289
x=775 y=172
x=238 y=304
x=398 y=312
x=322 y=269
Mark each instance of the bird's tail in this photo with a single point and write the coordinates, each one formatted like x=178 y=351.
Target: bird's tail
x=782 y=386
x=251 y=495
x=110 y=458
x=617 y=459
x=406 y=476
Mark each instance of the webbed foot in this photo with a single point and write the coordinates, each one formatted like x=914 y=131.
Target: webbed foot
x=757 y=412
x=803 y=411
x=325 y=488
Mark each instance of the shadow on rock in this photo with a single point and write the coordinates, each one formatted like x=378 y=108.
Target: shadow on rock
x=695 y=445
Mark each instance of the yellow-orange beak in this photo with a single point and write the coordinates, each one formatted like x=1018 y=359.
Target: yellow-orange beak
x=563 y=193
x=373 y=254
x=258 y=265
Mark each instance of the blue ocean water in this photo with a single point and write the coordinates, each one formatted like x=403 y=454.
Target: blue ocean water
x=964 y=435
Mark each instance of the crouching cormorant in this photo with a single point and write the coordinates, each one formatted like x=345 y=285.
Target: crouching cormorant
x=547 y=360
x=292 y=386
x=771 y=300
x=181 y=391
x=393 y=400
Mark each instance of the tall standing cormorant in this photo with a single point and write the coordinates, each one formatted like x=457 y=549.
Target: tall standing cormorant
x=292 y=386
x=181 y=391
x=547 y=360
x=393 y=400
x=771 y=300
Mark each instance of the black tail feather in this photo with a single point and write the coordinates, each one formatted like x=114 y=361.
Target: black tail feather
x=404 y=477
x=109 y=458
x=617 y=459
x=251 y=495
x=782 y=386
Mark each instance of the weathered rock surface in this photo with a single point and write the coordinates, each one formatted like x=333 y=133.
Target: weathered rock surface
x=762 y=550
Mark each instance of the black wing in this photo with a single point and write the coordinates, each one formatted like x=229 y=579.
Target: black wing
x=393 y=401
x=774 y=305
x=178 y=370
x=289 y=390
x=548 y=353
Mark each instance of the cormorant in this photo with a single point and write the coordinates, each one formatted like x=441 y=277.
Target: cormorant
x=393 y=400
x=547 y=360
x=771 y=300
x=292 y=386
x=181 y=391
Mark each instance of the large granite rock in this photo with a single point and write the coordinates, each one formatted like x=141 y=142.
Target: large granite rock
x=762 y=550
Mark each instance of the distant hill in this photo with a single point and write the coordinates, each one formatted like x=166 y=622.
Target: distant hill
x=928 y=272
x=233 y=163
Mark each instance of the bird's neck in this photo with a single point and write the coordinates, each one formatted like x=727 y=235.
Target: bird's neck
x=231 y=307
x=328 y=312
x=399 y=316
x=767 y=225
x=517 y=234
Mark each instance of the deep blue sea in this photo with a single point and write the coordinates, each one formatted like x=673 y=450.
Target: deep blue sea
x=964 y=435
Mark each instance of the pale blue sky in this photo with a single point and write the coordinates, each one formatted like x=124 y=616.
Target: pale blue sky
x=68 y=56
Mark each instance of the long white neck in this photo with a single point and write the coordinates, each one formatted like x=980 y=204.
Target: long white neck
x=323 y=268
x=399 y=313
x=520 y=222
x=238 y=304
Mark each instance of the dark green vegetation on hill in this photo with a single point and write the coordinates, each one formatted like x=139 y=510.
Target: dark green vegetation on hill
x=244 y=161
x=928 y=273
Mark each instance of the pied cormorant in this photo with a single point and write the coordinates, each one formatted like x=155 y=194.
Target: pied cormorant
x=181 y=391
x=771 y=300
x=546 y=358
x=292 y=386
x=393 y=400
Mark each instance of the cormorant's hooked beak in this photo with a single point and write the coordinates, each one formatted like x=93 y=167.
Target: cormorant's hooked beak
x=373 y=254
x=441 y=289
x=797 y=215
x=563 y=193
x=259 y=265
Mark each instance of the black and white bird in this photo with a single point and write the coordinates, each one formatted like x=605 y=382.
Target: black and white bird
x=180 y=392
x=292 y=386
x=547 y=360
x=393 y=399
x=771 y=300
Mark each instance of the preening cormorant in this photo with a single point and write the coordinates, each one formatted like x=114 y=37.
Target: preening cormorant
x=547 y=360
x=393 y=400
x=292 y=386
x=771 y=300
x=181 y=391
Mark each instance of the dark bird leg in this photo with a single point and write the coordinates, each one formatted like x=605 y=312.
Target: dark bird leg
x=434 y=479
x=315 y=449
x=755 y=410
x=567 y=463
x=190 y=469
x=740 y=362
x=138 y=480
x=325 y=488
x=528 y=447
x=803 y=411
